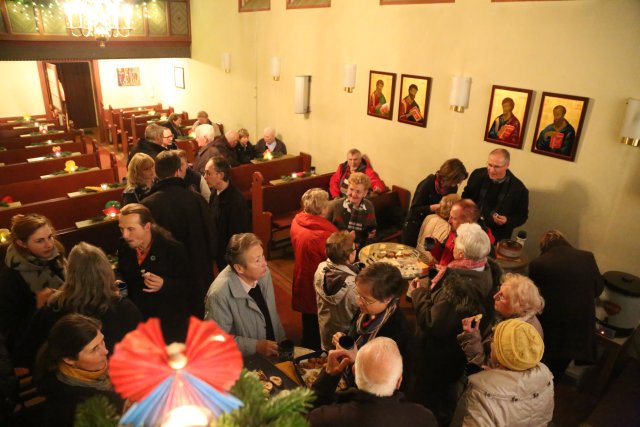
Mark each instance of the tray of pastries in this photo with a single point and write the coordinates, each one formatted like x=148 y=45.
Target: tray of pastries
x=402 y=256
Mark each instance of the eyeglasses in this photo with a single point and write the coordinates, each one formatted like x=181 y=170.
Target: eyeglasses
x=364 y=300
x=167 y=136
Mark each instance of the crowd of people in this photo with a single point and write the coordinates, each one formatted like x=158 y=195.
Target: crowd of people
x=487 y=346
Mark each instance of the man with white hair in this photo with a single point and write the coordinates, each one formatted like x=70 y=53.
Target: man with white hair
x=376 y=401
x=211 y=143
x=269 y=141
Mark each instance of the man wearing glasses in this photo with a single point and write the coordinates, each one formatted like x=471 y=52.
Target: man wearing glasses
x=156 y=140
x=502 y=198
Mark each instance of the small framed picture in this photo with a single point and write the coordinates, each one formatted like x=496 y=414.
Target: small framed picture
x=508 y=115
x=178 y=76
x=381 y=92
x=559 y=124
x=128 y=76
x=415 y=92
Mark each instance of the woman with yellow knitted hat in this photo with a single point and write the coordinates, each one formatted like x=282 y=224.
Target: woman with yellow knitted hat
x=519 y=392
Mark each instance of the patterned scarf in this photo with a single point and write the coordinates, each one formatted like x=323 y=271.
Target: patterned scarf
x=357 y=215
x=38 y=273
x=462 y=264
x=367 y=327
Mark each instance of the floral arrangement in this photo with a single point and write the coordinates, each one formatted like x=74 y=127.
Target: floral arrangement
x=4 y=202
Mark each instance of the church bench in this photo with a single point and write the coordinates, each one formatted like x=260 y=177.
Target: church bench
x=20 y=155
x=14 y=133
x=190 y=146
x=274 y=206
x=29 y=171
x=241 y=176
x=37 y=117
x=19 y=142
x=12 y=125
x=391 y=209
x=64 y=212
x=44 y=189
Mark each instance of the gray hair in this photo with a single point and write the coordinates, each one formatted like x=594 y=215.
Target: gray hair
x=314 y=201
x=472 y=241
x=208 y=131
x=378 y=367
x=504 y=153
x=153 y=132
x=524 y=296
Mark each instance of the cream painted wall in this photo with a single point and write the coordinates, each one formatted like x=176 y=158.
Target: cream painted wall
x=583 y=47
x=18 y=98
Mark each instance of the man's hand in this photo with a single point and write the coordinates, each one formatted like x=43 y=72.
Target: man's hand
x=335 y=338
x=267 y=348
x=337 y=362
x=469 y=326
x=378 y=190
x=152 y=282
x=499 y=219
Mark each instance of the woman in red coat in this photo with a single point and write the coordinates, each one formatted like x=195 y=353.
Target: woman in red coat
x=309 y=232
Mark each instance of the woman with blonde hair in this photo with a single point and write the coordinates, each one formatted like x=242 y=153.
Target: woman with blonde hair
x=90 y=288
x=309 y=232
x=141 y=175
x=34 y=268
x=518 y=298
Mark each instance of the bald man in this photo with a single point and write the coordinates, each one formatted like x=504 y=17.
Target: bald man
x=269 y=141
x=376 y=401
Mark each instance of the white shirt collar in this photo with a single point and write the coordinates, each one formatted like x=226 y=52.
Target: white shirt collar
x=272 y=146
x=247 y=286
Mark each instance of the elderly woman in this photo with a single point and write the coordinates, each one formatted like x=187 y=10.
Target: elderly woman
x=34 y=267
x=378 y=290
x=241 y=299
x=335 y=285
x=354 y=213
x=173 y=123
x=518 y=298
x=436 y=226
x=309 y=232
x=72 y=367
x=464 y=288
x=141 y=175
x=202 y=118
x=90 y=288
x=428 y=194
x=519 y=391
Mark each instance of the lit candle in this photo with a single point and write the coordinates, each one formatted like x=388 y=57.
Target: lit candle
x=104 y=186
x=267 y=155
x=4 y=235
x=27 y=118
x=294 y=175
x=49 y=141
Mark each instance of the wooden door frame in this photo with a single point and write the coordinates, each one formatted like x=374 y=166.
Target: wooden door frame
x=95 y=83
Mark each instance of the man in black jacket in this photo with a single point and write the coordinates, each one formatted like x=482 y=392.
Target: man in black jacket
x=186 y=215
x=502 y=198
x=376 y=401
x=228 y=207
x=156 y=140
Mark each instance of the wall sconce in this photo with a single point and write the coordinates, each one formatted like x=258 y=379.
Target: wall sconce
x=275 y=68
x=630 y=131
x=349 y=77
x=226 y=62
x=301 y=95
x=459 y=96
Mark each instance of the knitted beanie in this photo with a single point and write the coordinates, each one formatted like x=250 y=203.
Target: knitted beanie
x=517 y=345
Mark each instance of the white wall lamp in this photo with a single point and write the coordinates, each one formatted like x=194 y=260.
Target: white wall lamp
x=226 y=62
x=275 y=68
x=630 y=131
x=349 y=77
x=459 y=95
x=301 y=95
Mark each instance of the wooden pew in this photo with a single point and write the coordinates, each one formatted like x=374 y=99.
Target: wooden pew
x=43 y=189
x=391 y=209
x=37 y=117
x=20 y=155
x=190 y=146
x=241 y=176
x=12 y=125
x=20 y=142
x=14 y=133
x=28 y=171
x=64 y=212
x=274 y=206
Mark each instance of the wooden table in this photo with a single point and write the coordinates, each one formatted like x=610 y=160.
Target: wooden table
x=514 y=265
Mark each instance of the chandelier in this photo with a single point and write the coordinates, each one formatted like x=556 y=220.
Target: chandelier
x=101 y=19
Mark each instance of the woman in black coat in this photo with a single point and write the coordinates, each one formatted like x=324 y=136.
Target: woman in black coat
x=428 y=194
x=89 y=289
x=72 y=367
x=34 y=267
x=569 y=281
